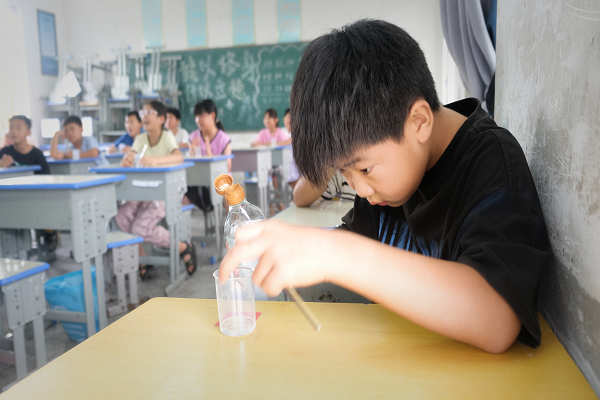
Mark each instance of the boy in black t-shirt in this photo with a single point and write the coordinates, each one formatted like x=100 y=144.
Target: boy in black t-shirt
x=21 y=152
x=447 y=228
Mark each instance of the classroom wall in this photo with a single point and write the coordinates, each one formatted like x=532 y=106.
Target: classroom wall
x=95 y=27
x=40 y=85
x=548 y=95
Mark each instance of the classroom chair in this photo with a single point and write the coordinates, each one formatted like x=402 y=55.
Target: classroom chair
x=124 y=260
x=22 y=284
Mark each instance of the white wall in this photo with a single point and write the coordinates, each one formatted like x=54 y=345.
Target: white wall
x=40 y=85
x=97 y=26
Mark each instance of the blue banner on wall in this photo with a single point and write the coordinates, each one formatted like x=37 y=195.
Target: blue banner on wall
x=242 y=13
x=195 y=11
x=48 y=48
x=152 y=23
x=288 y=20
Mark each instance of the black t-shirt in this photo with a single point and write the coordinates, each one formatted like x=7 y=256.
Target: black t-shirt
x=478 y=206
x=34 y=157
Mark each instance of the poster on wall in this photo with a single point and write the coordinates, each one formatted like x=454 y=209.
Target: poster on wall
x=48 y=48
x=152 y=23
x=195 y=11
x=288 y=21
x=242 y=13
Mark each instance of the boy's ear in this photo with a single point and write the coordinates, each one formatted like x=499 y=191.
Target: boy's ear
x=420 y=120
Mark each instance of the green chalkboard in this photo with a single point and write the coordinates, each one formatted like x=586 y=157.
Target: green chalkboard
x=242 y=81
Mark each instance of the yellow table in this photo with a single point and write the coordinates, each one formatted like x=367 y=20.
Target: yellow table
x=322 y=214
x=170 y=348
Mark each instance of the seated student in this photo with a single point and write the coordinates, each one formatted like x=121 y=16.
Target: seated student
x=133 y=126
x=272 y=134
x=447 y=229
x=306 y=193
x=209 y=140
x=72 y=134
x=21 y=152
x=141 y=218
x=173 y=124
x=294 y=175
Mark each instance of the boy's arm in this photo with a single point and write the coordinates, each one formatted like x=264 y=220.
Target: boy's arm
x=91 y=153
x=54 y=152
x=305 y=194
x=446 y=297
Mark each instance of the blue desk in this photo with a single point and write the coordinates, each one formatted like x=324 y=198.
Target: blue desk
x=82 y=204
x=166 y=183
x=71 y=167
x=204 y=173
x=255 y=159
x=22 y=284
x=13 y=172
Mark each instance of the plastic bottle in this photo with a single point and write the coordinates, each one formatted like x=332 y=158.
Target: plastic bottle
x=241 y=212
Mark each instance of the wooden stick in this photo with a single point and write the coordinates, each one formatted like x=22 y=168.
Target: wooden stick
x=293 y=294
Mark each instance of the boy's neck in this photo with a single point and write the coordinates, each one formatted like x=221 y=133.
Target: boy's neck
x=24 y=147
x=446 y=123
x=175 y=130
x=77 y=143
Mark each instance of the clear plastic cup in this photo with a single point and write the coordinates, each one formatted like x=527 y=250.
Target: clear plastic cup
x=136 y=160
x=76 y=154
x=122 y=147
x=235 y=301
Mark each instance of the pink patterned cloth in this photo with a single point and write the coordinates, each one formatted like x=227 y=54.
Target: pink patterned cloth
x=141 y=218
x=217 y=145
x=265 y=136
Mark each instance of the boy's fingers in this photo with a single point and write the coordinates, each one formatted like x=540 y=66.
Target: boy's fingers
x=248 y=251
x=249 y=232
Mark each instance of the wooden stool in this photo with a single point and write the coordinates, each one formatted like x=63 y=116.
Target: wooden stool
x=22 y=284
x=123 y=256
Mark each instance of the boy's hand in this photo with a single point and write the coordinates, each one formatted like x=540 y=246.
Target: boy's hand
x=60 y=134
x=148 y=162
x=68 y=154
x=284 y=260
x=6 y=161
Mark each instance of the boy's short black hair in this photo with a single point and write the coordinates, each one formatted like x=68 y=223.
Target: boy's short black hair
x=175 y=112
x=134 y=114
x=354 y=88
x=22 y=118
x=72 y=119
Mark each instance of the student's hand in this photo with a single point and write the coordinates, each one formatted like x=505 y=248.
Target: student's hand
x=60 y=134
x=149 y=162
x=6 y=161
x=112 y=149
x=127 y=161
x=68 y=154
x=196 y=141
x=284 y=261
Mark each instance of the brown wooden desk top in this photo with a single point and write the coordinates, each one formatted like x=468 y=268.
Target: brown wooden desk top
x=170 y=349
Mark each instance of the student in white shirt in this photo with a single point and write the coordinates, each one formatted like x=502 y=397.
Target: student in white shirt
x=173 y=124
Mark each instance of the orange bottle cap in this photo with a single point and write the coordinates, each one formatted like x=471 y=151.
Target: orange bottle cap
x=235 y=194
x=222 y=183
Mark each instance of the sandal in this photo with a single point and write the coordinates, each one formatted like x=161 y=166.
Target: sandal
x=191 y=251
x=143 y=271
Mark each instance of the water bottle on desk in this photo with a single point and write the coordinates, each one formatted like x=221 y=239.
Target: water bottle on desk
x=241 y=213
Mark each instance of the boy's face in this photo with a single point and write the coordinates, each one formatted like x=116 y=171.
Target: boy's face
x=73 y=132
x=18 y=131
x=386 y=174
x=132 y=125
x=150 y=118
x=172 y=122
